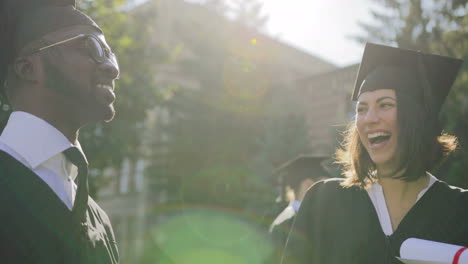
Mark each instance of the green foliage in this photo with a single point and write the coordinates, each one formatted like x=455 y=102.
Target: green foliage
x=224 y=135
x=439 y=27
x=284 y=136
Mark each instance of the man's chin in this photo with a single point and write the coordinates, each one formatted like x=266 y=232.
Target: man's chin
x=102 y=114
x=109 y=119
x=109 y=116
x=97 y=114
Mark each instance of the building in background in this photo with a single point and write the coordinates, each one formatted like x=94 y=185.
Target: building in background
x=328 y=106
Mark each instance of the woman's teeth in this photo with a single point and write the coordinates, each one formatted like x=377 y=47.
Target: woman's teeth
x=378 y=137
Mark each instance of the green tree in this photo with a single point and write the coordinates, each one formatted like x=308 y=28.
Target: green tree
x=213 y=128
x=283 y=137
x=453 y=41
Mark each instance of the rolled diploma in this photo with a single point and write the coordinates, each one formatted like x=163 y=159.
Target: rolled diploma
x=425 y=250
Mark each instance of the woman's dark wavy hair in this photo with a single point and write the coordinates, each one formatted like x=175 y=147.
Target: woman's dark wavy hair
x=422 y=145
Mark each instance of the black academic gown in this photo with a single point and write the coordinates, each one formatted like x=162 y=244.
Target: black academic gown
x=279 y=233
x=337 y=225
x=36 y=226
x=278 y=236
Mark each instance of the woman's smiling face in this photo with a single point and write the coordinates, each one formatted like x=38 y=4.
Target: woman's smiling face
x=376 y=122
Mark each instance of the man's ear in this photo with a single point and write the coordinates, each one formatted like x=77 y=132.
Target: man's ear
x=27 y=68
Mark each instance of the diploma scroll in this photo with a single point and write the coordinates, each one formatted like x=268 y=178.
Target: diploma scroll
x=419 y=251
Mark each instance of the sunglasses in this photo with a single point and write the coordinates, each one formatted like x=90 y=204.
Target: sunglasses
x=96 y=49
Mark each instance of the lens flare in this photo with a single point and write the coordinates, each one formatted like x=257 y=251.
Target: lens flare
x=207 y=236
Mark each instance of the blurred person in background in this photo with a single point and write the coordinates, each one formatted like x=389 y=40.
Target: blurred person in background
x=389 y=194
x=295 y=177
x=57 y=73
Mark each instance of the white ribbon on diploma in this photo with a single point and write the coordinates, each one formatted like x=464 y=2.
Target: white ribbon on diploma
x=419 y=251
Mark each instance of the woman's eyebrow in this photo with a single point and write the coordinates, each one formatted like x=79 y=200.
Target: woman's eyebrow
x=385 y=97
x=378 y=100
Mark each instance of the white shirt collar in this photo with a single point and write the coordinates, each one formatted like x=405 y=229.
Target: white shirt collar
x=432 y=180
x=295 y=205
x=35 y=140
x=375 y=192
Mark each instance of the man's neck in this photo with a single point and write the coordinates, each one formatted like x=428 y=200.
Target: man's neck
x=69 y=130
x=42 y=103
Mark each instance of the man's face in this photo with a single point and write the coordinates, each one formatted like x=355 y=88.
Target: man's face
x=85 y=85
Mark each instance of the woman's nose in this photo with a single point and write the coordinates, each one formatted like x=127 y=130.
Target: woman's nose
x=371 y=116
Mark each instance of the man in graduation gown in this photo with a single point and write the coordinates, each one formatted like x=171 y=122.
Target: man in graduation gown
x=349 y=220
x=58 y=73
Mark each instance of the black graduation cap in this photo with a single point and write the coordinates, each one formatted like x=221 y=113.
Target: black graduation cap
x=294 y=171
x=15 y=16
x=426 y=77
x=24 y=21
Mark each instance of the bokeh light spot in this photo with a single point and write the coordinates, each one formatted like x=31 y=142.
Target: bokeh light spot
x=208 y=236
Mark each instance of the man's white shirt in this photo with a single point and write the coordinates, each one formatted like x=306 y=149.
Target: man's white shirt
x=39 y=146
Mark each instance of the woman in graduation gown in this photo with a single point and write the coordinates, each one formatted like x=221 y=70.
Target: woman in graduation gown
x=388 y=194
